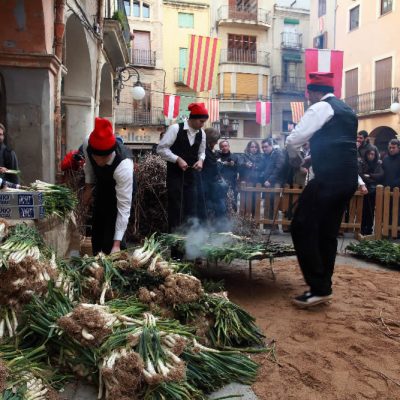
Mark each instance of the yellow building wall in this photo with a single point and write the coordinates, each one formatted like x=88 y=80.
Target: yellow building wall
x=175 y=37
x=376 y=38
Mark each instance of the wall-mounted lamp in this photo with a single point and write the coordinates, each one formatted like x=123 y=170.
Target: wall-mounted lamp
x=124 y=74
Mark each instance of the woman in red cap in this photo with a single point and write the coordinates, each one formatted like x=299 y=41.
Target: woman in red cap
x=110 y=171
x=331 y=127
x=183 y=147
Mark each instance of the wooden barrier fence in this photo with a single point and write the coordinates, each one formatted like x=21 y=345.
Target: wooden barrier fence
x=264 y=204
x=275 y=206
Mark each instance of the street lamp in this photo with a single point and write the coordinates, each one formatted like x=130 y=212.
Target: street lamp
x=395 y=108
x=235 y=125
x=124 y=74
x=225 y=123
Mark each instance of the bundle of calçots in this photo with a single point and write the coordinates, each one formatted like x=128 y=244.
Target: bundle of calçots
x=381 y=251
x=58 y=200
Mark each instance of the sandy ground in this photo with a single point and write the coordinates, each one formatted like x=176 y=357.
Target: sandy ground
x=337 y=351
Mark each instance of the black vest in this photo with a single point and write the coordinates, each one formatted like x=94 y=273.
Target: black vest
x=183 y=149
x=105 y=194
x=333 y=147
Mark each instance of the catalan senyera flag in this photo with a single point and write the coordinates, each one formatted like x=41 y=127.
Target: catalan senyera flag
x=203 y=62
x=263 y=112
x=324 y=60
x=213 y=110
x=171 y=106
x=297 y=110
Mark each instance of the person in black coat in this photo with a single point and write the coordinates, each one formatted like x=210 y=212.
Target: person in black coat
x=8 y=159
x=251 y=164
x=391 y=165
x=228 y=167
x=371 y=173
x=274 y=164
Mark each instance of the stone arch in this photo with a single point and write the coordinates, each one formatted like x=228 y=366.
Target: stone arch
x=78 y=90
x=106 y=92
x=381 y=137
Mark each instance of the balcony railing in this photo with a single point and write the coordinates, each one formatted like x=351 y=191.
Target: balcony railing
x=291 y=40
x=234 y=96
x=130 y=116
x=180 y=75
x=372 y=102
x=288 y=85
x=146 y=58
x=244 y=14
x=238 y=56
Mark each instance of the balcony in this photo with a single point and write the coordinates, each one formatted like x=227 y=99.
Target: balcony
x=143 y=58
x=250 y=15
x=291 y=40
x=292 y=85
x=117 y=36
x=373 y=102
x=180 y=75
x=130 y=116
x=237 y=56
x=239 y=97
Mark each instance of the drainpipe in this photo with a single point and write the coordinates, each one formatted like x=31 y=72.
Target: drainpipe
x=334 y=26
x=100 y=21
x=59 y=30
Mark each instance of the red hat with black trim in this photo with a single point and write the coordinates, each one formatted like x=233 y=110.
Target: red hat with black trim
x=102 y=141
x=321 y=81
x=198 y=111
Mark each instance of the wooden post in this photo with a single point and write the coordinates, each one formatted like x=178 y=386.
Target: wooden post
x=395 y=212
x=258 y=205
x=360 y=203
x=386 y=211
x=242 y=199
x=378 y=212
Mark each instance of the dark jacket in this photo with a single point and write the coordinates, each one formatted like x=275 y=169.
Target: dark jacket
x=391 y=168
x=255 y=173
x=274 y=167
x=366 y=146
x=371 y=172
x=228 y=172
x=8 y=159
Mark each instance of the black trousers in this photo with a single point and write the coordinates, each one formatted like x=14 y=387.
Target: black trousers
x=314 y=230
x=103 y=221
x=368 y=213
x=182 y=196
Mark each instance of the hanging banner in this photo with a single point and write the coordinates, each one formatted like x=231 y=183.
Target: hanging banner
x=263 y=112
x=171 y=106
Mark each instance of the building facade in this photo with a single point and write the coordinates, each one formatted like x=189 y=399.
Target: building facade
x=244 y=28
x=291 y=28
x=57 y=63
x=140 y=122
x=323 y=14
x=182 y=19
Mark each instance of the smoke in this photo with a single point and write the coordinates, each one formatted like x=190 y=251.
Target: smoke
x=200 y=234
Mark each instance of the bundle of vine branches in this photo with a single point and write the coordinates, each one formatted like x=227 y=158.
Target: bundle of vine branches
x=382 y=251
x=149 y=207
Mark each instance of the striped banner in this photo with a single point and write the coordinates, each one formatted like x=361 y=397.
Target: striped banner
x=318 y=60
x=171 y=106
x=263 y=112
x=213 y=110
x=203 y=62
x=297 y=110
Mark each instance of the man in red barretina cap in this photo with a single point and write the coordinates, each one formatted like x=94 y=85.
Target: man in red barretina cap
x=331 y=128
x=108 y=170
x=183 y=147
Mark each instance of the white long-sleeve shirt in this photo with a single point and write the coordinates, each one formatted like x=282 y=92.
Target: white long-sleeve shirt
x=313 y=119
x=123 y=176
x=164 y=147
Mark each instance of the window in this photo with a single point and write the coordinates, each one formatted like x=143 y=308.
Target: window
x=251 y=129
x=383 y=83
x=136 y=9
x=351 y=85
x=186 y=20
x=321 y=8
x=354 y=18
x=127 y=5
x=287 y=123
x=386 y=6
x=321 y=41
x=145 y=11
x=242 y=48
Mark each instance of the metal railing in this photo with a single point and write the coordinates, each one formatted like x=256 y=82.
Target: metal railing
x=180 y=75
x=371 y=102
x=292 y=40
x=143 y=57
x=130 y=116
x=243 y=14
x=238 y=56
x=120 y=15
x=290 y=84
x=234 y=96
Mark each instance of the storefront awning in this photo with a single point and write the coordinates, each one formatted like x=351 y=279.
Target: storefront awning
x=292 y=57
